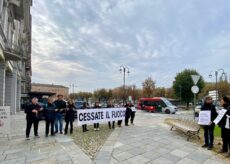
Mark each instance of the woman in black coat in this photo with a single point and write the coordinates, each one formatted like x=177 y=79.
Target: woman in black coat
x=128 y=113
x=209 y=129
x=225 y=130
x=69 y=116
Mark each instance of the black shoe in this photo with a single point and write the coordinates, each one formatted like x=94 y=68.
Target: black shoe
x=52 y=134
x=210 y=147
x=56 y=132
x=61 y=132
x=126 y=125
x=205 y=145
x=113 y=127
x=86 y=130
x=27 y=138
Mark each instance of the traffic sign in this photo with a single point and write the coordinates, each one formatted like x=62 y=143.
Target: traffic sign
x=195 y=89
x=195 y=79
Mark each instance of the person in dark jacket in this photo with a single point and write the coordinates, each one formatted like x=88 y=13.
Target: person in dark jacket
x=49 y=112
x=209 y=129
x=96 y=125
x=109 y=105
x=128 y=113
x=132 y=115
x=69 y=116
x=84 y=127
x=32 y=111
x=225 y=130
x=60 y=105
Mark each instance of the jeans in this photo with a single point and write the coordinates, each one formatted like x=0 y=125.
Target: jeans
x=208 y=135
x=29 y=123
x=58 y=122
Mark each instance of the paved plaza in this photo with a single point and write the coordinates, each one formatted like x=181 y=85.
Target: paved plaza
x=148 y=141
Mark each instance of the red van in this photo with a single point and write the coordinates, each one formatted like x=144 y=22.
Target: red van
x=156 y=104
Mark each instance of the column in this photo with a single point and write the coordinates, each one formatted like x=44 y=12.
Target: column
x=18 y=107
x=9 y=81
x=2 y=83
x=14 y=92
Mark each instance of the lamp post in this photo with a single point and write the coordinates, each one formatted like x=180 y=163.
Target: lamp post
x=180 y=94
x=73 y=86
x=216 y=74
x=125 y=70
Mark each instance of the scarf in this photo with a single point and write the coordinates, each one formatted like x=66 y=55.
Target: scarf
x=227 y=125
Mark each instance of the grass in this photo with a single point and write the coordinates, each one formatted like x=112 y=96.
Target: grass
x=217 y=131
x=92 y=141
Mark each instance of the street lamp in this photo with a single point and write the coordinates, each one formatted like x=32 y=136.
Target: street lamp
x=216 y=74
x=180 y=94
x=73 y=86
x=125 y=70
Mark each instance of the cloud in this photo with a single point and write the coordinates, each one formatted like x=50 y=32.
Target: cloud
x=87 y=41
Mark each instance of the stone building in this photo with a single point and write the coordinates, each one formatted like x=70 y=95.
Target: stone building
x=57 y=89
x=15 y=52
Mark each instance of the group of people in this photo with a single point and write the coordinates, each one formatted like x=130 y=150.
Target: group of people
x=224 y=124
x=55 y=111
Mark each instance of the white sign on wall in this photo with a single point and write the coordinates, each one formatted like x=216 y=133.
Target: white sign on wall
x=4 y=119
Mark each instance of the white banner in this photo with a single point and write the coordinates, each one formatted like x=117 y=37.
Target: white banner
x=4 y=119
x=204 y=117
x=90 y=116
x=220 y=116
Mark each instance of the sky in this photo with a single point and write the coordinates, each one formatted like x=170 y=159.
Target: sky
x=84 y=42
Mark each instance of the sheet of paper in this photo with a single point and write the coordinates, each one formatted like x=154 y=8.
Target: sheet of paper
x=220 y=116
x=204 y=117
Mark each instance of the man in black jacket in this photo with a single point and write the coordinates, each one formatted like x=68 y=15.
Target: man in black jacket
x=128 y=113
x=60 y=105
x=32 y=111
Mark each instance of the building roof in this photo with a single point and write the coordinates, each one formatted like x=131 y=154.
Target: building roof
x=48 y=85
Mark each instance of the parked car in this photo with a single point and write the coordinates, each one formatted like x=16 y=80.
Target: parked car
x=156 y=104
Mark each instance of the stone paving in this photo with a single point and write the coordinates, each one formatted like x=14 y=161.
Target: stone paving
x=148 y=141
x=59 y=149
x=151 y=141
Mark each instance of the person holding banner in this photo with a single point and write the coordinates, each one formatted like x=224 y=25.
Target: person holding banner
x=84 y=126
x=61 y=105
x=31 y=117
x=96 y=125
x=49 y=113
x=128 y=113
x=225 y=126
x=132 y=114
x=69 y=116
x=109 y=105
x=209 y=129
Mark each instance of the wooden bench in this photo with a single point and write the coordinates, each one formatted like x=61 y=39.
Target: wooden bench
x=188 y=127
